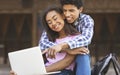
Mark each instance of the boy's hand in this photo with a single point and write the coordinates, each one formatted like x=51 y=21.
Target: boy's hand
x=52 y=51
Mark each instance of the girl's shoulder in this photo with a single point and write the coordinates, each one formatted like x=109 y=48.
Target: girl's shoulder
x=67 y=38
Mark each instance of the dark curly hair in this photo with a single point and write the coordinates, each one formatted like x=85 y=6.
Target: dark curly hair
x=77 y=3
x=52 y=35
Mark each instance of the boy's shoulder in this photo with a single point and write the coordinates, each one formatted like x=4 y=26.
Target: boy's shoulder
x=84 y=16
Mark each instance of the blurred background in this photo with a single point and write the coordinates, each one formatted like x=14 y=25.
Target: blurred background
x=20 y=27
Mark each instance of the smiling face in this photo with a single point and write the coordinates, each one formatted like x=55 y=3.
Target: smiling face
x=55 y=21
x=71 y=12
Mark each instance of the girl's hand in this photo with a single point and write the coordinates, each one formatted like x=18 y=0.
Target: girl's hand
x=12 y=73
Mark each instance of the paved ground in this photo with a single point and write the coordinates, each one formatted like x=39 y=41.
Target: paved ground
x=4 y=70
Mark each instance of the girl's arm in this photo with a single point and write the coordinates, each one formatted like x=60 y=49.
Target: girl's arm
x=62 y=64
x=69 y=58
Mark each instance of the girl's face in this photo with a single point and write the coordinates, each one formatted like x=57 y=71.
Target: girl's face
x=55 y=21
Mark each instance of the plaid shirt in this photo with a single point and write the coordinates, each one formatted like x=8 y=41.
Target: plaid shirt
x=85 y=25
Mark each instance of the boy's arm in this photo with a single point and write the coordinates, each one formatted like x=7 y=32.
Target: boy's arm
x=83 y=39
x=44 y=42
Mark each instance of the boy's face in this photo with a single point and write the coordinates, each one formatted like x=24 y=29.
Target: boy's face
x=71 y=12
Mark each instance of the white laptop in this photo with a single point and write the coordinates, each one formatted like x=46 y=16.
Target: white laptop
x=28 y=62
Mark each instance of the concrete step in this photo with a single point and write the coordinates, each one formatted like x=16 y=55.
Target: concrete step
x=5 y=68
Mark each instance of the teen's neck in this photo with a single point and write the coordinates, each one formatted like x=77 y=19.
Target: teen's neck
x=62 y=34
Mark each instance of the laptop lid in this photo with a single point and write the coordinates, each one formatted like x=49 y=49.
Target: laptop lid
x=28 y=61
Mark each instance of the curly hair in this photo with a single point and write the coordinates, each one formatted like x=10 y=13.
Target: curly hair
x=52 y=35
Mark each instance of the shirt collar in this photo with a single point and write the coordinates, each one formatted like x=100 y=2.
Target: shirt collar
x=77 y=21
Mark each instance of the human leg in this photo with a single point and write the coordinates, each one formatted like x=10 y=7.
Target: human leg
x=83 y=65
x=65 y=72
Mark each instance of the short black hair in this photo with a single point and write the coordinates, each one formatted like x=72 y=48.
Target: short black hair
x=77 y=3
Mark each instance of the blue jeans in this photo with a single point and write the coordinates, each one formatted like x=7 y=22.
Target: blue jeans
x=83 y=65
x=65 y=72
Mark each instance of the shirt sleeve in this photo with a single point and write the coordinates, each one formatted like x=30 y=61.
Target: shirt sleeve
x=44 y=42
x=83 y=39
